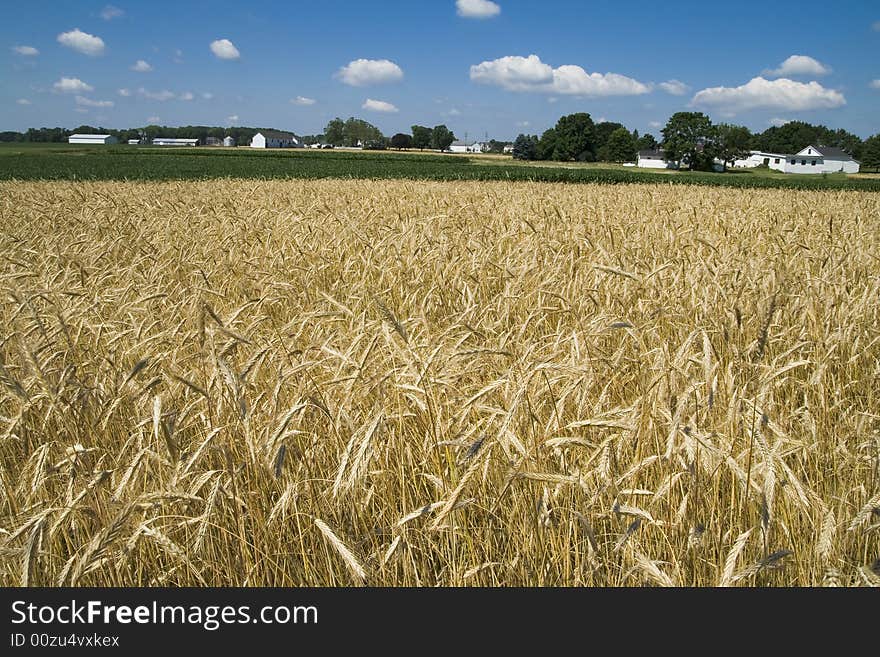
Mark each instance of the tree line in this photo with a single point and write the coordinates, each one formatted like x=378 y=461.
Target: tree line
x=688 y=137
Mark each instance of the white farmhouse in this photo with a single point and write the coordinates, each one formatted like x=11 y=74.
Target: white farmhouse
x=466 y=147
x=275 y=139
x=654 y=159
x=821 y=159
x=91 y=139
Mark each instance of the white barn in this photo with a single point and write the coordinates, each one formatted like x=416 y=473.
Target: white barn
x=171 y=141
x=91 y=139
x=229 y=141
x=466 y=147
x=758 y=158
x=275 y=139
x=654 y=159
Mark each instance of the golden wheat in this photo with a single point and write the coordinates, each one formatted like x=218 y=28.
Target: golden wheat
x=471 y=383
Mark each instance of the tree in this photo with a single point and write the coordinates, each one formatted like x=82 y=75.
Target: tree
x=546 y=146
x=871 y=153
x=421 y=137
x=441 y=137
x=620 y=147
x=401 y=140
x=688 y=139
x=525 y=147
x=646 y=142
x=603 y=133
x=358 y=132
x=732 y=142
x=575 y=138
x=334 y=133
x=496 y=146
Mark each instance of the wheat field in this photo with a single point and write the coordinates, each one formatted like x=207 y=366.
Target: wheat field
x=389 y=383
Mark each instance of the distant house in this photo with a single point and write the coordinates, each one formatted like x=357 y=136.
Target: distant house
x=508 y=148
x=170 y=141
x=821 y=159
x=134 y=142
x=810 y=159
x=276 y=139
x=466 y=147
x=654 y=159
x=229 y=141
x=91 y=139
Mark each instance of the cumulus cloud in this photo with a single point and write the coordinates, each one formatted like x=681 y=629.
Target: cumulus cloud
x=25 y=51
x=302 y=100
x=759 y=93
x=477 y=8
x=88 y=102
x=799 y=65
x=655 y=124
x=110 y=12
x=82 y=42
x=516 y=73
x=454 y=112
x=186 y=95
x=161 y=96
x=141 y=66
x=125 y=93
x=364 y=72
x=224 y=49
x=23 y=101
x=874 y=84
x=378 y=106
x=778 y=122
x=72 y=85
x=674 y=87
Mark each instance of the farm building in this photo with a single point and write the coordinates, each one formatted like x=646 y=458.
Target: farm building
x=229 y=141
x=654 y=159
x=275 y=139
x=91 y=139
x=213 y=141
x=466 y=147
x=170 y=141
x=811 y=159
x=134 y=142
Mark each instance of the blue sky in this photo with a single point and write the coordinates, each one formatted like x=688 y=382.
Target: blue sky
x=481 y=67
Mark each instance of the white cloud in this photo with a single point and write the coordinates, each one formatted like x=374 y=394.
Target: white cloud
x=363 y=72
x=378 y=106
x=23 y=101
x=302 y=100
x=186 y=95
x=759 y=93
x=778 y=122
x=674 y=87
x=874 y=84
x=88 y=102
x=207 y=95
x=72 y=85
x=454 y=112
x=161 y=96
x=516 y=73
x=25 y=51
x=799 y=65
x=125 y=93
x=153 y=119
x=232 y=119
x=224 y=49
x=87 y=44
x=141 y=66
x=655 y=124
x=110 y=12
x=477 y=8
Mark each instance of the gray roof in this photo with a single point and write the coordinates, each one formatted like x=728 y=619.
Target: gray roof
x=277 y=134
x=652 y=152
x=833 y=152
